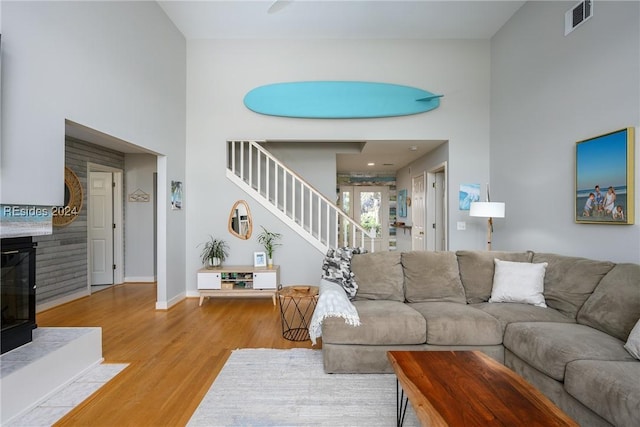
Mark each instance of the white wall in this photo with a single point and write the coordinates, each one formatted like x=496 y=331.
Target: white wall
x=139 y=232
x=314 y=161
x=549 y=91
x=117 y=67
x=221 y=72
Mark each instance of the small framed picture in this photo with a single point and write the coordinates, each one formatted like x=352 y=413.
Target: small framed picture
x=402 y=203
x=259 y=259
x=176 y=195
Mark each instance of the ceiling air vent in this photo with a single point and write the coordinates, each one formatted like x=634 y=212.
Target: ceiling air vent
x=577 y=15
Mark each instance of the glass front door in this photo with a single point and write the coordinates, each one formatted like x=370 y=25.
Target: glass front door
x=369 y=207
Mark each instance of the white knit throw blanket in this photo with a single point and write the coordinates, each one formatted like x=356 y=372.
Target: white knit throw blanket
x=332 y=302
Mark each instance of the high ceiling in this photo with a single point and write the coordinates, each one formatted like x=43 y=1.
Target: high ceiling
x=342 y=19
x=346 y=19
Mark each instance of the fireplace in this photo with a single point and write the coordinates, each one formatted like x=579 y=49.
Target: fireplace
x=18 y=292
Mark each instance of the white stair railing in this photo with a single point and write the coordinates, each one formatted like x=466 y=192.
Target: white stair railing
x=288 y=196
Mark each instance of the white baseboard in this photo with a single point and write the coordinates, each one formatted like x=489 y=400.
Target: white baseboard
x=62 y=300
x=193 y=294
x=166 y=305
x=140 y=279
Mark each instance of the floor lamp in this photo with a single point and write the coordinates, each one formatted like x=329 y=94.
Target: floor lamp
x=487 y=210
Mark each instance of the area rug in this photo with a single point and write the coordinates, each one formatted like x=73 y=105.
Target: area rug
x=266 y=387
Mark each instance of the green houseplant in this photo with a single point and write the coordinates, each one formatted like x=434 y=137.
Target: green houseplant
x=214 y=252
x=269 y=240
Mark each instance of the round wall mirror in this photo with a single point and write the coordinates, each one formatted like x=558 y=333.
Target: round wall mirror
x=240 y=222
x=64 y=215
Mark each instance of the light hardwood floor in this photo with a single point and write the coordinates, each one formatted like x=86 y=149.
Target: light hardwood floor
x=174 y=355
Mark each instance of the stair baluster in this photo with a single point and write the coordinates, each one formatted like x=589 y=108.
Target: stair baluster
x=289 y=197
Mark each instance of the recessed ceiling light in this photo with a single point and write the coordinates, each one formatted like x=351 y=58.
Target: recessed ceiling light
x=371 y=164
x=413 y=148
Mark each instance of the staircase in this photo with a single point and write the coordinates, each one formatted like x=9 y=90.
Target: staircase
x=294 y=201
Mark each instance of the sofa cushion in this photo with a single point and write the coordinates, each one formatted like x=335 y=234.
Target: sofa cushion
x=476 y=271
x=450 y=323
x=520 y=282
x=609 y=388
x=548 y=347
x=569 y=281
x=381 y=323
x=379 y=276
x=512 y=312
x=432 y=276
x=614 y=306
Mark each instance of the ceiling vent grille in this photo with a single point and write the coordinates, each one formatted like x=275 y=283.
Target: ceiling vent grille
x=577 y=16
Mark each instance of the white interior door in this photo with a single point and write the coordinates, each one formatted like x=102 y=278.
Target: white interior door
x=436 y=210
x=369 y=207
x=101 y=227
x=440 y=242
x=418 y=212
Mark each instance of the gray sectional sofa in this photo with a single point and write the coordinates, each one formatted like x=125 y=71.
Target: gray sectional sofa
x=572 y=349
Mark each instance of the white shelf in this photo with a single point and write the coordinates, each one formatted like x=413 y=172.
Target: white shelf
x=261 y=281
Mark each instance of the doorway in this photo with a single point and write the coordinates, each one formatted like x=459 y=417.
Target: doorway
x=436 y=209
x=417 y=212
x=104 y=227
x=369 y=207
x=429 y=210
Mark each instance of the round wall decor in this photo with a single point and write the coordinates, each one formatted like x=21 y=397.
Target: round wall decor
x=73 y=194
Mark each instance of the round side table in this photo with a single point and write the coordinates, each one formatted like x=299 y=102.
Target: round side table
x=297 y=304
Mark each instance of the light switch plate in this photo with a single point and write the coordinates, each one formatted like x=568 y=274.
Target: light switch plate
x=462 y=225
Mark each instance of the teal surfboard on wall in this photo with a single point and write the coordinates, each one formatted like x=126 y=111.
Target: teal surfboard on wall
x=339 y=100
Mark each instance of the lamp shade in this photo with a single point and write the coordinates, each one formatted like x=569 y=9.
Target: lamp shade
x=487 y=209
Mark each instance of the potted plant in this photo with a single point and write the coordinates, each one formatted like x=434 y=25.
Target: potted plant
x=214 y=252
x=269 y=240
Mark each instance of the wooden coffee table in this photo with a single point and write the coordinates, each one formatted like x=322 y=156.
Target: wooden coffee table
x=468 y=388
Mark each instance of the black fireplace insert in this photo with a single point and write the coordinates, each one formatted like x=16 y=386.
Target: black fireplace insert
x=17 y=292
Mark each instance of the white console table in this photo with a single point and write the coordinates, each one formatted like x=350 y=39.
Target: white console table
x=239 y=281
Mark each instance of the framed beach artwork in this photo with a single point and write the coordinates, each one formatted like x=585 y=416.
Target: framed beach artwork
x=468 y=193
x=604 y=179
x=402 y=203
x=176 y=195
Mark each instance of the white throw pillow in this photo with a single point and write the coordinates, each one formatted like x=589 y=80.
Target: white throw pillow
x=521 y=282
x=633 y=342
